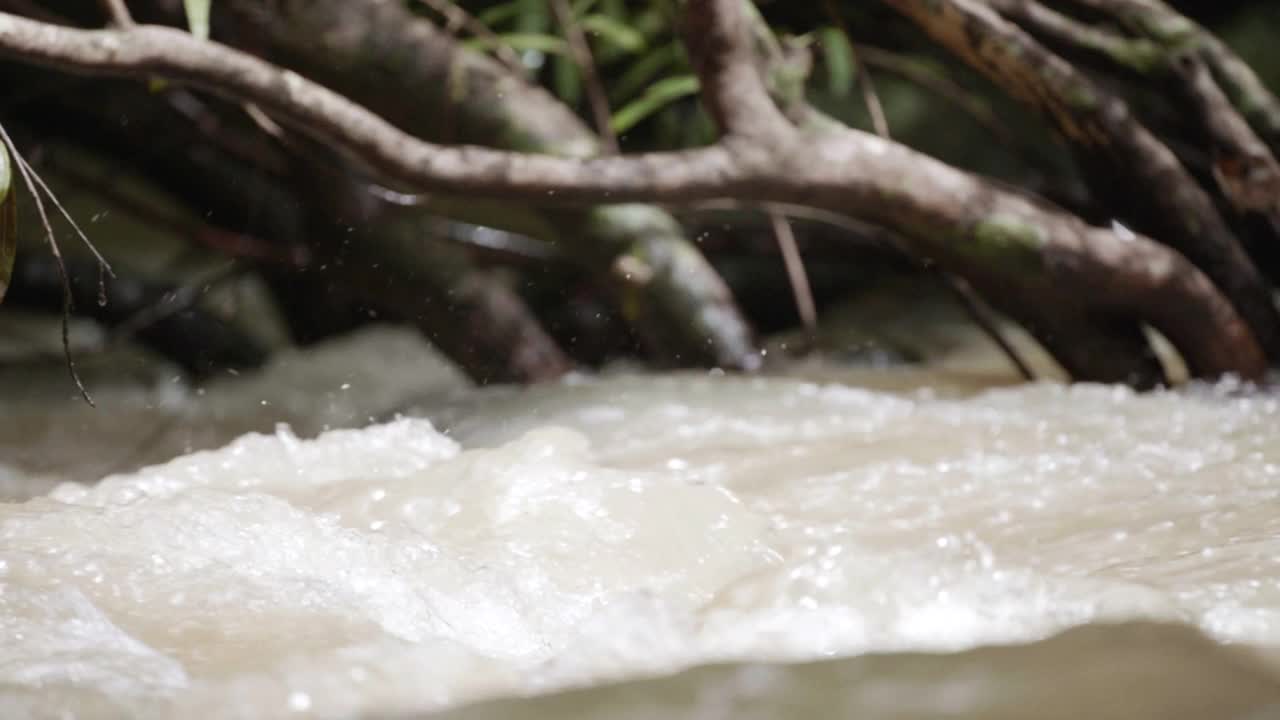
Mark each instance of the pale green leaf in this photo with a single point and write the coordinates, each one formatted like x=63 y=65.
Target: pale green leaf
x=534 y=16
x=612 y=32
x=198 y=17
x=837 y=57
x=643 y=71
x=658 y=96
x=497 y=15
x=567 y=80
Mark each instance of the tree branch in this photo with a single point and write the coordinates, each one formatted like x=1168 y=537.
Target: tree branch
x=1246 y=172
x=684 y=315
x=1148 y=182
x=1163 y=24
x=117 y=12
x=1031 y=259
x=331 y=118
x=734 y=92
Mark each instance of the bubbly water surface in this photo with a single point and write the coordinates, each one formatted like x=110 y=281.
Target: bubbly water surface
x=610 y=533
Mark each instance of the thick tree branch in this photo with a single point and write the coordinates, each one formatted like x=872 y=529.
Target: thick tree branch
x=1247 y=174
x=359 y=254
x=732 y=89
x=1031 y=259
x=331 y=118
x=684 y=315
x=1156 y=189
x=1157 y=21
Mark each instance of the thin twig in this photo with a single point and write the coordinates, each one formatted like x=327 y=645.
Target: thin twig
x=175 y=301
x=984 y=318
x=225 y=241
x=456 y=16
x=791 y=260
x=973 y=305
x=855 y=227
x=872 y=101
x=264 y=122
x=581 y=51
x=67 y=304
x=977 y=309
x=941 y=86
x=70 y=220
x=118 y=13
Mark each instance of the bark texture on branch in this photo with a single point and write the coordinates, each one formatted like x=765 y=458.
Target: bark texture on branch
x=1143 y=176
x=1157 y=22
x=1177 y=56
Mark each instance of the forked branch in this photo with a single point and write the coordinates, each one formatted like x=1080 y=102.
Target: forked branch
x=1040 y=265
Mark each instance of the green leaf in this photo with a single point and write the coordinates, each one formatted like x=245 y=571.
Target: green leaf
x=613 y=32
x=198 y=17
x=642 y=72
x=549 y=44
x=837 y=56
x=616 y=9
x=567 y=80
x=534 y=16
x=499 y=14
x=658 y=96
x=8 y=222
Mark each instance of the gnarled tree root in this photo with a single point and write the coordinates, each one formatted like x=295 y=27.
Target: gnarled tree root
x=1139 y=174
x=1031 y=259
x=674 y=299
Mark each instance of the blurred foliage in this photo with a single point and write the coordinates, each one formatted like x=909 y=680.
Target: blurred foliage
x=652 y=92
x=647 y=78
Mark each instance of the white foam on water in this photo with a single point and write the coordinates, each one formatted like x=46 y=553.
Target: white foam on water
x=603 y=529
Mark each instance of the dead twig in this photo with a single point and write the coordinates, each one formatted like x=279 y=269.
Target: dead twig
x=796 y=275
x=67 y=305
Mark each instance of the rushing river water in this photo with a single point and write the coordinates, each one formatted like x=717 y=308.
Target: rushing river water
x=684 y=546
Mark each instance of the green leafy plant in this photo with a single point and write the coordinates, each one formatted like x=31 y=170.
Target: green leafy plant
x=655 y=98
x=838 y=58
